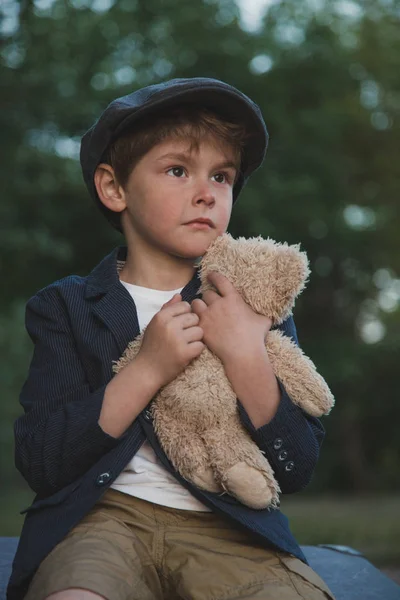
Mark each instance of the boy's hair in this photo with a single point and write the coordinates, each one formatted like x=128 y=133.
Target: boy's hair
x=187 y=121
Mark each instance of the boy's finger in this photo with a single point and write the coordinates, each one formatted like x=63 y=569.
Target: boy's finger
x=198 y=306
x=175 y=298
x=221 y=283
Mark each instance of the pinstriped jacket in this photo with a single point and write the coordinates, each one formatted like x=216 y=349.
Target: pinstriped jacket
x=79 y=326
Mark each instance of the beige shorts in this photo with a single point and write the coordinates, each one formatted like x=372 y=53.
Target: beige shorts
x=129 y=549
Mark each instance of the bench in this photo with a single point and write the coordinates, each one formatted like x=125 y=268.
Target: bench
x=348 y=574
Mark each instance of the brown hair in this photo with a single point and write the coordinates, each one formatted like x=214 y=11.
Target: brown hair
x=190 y=122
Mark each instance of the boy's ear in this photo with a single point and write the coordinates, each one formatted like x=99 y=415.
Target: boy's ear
x=108 y=189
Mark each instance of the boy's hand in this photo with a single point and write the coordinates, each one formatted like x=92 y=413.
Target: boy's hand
x=171 y=340
x=231 y=328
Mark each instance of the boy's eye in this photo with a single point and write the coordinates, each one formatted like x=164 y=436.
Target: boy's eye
x=222 y=177
x=176 y=171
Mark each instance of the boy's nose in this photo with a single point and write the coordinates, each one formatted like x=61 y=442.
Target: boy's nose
x=204 y=193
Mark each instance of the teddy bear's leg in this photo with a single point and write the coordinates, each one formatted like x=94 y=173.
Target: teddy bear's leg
x=186 y=450
x=240 y=467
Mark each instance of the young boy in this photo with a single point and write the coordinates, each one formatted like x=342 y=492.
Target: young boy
x=112 y=518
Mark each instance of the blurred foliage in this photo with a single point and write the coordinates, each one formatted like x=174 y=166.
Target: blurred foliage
x=327 y=78
x=367 y=522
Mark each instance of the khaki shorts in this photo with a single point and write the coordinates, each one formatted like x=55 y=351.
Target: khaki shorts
x=129 y=549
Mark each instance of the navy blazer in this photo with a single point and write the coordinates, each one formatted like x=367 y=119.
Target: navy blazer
x=79 y=326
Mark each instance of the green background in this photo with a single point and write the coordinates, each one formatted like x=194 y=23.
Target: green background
x=327 y=78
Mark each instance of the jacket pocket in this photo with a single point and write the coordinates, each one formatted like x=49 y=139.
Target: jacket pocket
x=53 y=500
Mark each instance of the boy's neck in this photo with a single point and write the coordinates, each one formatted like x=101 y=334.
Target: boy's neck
x=165 y=273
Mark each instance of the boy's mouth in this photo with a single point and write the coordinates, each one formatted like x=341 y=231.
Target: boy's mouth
x=201 y=222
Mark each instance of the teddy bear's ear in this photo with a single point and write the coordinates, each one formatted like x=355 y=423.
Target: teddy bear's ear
x=267 y=274
x=292 y=271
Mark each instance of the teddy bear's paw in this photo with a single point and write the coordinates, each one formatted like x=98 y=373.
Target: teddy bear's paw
x=249 y=485
x=205 y=480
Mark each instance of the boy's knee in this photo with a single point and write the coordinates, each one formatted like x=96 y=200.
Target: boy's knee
x=75 y=594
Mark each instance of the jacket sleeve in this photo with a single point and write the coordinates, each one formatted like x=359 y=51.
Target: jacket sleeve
x=58 y=438
x=291 y=440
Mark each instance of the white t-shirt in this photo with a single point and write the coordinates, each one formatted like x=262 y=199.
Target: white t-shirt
x=144 y=476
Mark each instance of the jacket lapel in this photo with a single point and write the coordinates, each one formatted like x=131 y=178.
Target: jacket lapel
x=112 y=303
x=117 y=311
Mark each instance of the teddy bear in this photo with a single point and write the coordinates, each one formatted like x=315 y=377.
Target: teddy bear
x=196 y=417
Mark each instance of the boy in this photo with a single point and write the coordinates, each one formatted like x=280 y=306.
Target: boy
x=112 y=519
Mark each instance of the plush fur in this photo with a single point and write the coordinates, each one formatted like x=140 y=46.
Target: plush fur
x=196 y=417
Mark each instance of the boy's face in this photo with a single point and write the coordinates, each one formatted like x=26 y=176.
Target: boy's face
x=171 y=186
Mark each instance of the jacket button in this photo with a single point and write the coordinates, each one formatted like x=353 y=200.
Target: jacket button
x=289 y=466
x=278 y=443
x=282 y=455
x=103 y=479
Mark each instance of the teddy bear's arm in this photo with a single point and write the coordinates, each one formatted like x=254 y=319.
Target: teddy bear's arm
x=299 y=375
x=291 y=440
